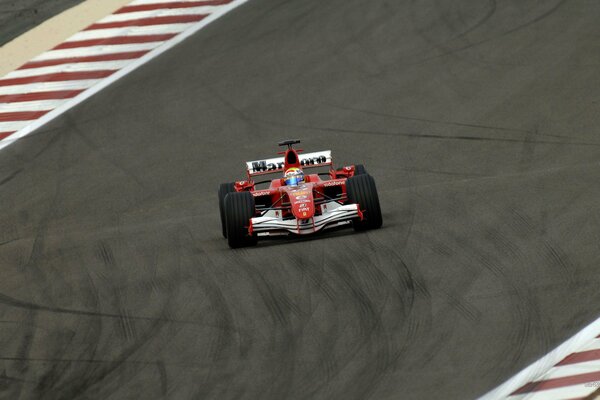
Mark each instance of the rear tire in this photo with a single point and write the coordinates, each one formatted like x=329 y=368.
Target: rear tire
x=359 y=169
x=361 y=190
x=224 y=190
x=239 y=208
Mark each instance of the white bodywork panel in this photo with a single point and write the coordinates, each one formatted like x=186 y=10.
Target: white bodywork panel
x=333 y=214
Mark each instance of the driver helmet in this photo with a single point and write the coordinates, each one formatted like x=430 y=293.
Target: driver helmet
x=294 y=177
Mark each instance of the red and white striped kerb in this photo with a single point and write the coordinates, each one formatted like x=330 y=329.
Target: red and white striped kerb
x=570 y=372
x=95 y=54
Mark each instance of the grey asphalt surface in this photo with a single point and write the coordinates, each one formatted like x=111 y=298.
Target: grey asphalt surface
x=17 y=17
x=479 y=121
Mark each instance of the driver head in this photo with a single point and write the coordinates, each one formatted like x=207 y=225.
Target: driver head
x=294 y=177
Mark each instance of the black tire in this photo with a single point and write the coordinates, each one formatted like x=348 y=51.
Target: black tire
x=359 y=169
x=224 y=190
x=239 y=208
x=361 y=189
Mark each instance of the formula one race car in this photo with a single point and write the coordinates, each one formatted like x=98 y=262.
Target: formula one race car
x=297 y=204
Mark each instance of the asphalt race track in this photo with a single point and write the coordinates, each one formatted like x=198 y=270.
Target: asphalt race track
x=18 y=16
x=479 y=121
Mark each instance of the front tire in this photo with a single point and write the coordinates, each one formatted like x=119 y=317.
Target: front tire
x=239 y=208
x=224 y=190
x=361 y=190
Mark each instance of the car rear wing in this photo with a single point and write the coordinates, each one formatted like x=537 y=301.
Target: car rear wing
x=273 y=165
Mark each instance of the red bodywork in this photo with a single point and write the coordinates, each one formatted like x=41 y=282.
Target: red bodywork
x=302 y=202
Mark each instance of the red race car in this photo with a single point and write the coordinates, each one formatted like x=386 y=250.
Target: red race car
x=296 y=203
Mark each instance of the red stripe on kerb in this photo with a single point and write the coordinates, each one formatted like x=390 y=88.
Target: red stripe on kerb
x=557 y=383
x=116 y=40
x=56 y=95
x=21 y=116
x=5 y=134
x=175 y=4
x=58 y=77
x=582 y=356
x=104 y=57
x=172 y=19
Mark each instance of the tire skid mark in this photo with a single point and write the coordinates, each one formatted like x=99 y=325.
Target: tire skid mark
x=418 y=305
x=425 y=136
x=92 y=335
x=314 y=271
x=560 y=259
x=127 y=328
x=455 y=297
x=11 y=176
x=280 y=309
x=527 y=132
x=422 y=32
x=106 y=255
x=531 y=326
x=20 y=364
x=488 y=15
x=372 y=331
x=47 y=383
x=550 y=248
x=34 y=268
x=419 y=297
x=98 y=373
x=164 y=381
x=356 y=39
x=13 y=302
x=455 y=51
x=98 y=150
x=528 y=319
x=99 y=361
x=229 y=334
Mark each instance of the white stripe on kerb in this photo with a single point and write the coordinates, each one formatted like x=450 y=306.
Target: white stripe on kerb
x=164 y=12
x=572 y=369
x=47 y=87
x=567 y=392
x=96 y=50
x=129 y=31
x=593 y=345
x=13 y=126
x=38 y=105
x=75 y=67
